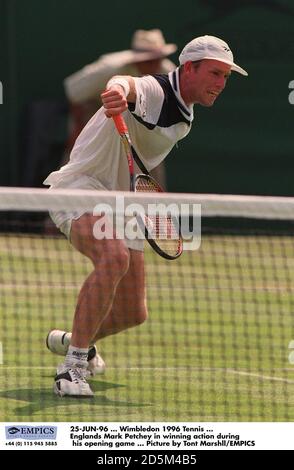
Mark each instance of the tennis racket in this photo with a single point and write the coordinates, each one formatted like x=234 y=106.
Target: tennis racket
x=162 y=231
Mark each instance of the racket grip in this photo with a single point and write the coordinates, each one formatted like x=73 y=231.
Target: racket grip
x=120 y=124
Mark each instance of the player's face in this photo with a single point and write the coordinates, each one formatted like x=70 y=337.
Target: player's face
x=206 y=81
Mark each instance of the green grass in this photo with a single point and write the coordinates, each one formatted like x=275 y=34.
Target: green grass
x=215 y=347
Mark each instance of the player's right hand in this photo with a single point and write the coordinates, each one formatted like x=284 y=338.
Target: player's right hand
x=114 y=101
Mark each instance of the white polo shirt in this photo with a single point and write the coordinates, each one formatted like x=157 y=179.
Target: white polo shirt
x=157 y=121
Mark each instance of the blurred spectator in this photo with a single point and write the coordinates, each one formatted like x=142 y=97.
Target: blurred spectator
x=148 y=55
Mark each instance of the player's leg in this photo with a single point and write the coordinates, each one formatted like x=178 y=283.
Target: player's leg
x=128 y=310
x=110 y=259
x=129 y=307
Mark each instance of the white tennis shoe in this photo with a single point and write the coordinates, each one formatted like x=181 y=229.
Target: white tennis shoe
x=57 y=342
x=72 y=382
x=96 y=365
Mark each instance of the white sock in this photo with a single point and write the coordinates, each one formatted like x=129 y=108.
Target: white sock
x=77 y=357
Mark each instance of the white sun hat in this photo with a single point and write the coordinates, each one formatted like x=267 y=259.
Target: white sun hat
x=150 y=44
x=209 y=47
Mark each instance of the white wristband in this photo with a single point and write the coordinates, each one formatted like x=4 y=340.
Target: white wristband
x=123 y=82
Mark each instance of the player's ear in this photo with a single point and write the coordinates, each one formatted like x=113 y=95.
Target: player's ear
x=188 y=66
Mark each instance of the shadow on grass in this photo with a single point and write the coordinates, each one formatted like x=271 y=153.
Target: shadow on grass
x=43 y=400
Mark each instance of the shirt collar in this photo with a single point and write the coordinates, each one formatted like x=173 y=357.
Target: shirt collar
x=174 y=78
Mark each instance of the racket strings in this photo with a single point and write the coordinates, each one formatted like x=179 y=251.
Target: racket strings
x=162 y=229
x=146 y=185
x=165 y=231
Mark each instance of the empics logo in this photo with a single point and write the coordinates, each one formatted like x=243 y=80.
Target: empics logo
x=13 y=430
x=31 y=432
x=291 y=94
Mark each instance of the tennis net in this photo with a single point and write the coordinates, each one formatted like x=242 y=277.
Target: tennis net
x=218 y=343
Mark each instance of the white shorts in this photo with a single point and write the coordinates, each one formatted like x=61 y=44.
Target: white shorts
x=63 y=220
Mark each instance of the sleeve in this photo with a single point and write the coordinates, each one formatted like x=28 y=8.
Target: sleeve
x=149 y=99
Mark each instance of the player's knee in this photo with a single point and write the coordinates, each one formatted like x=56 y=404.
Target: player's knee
x=116 y=259
x=121 y=259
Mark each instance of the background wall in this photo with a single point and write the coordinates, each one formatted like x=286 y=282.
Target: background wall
x=244 y=144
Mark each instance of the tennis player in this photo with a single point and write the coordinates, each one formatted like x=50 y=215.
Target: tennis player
x=158 y=110
x=148 y=55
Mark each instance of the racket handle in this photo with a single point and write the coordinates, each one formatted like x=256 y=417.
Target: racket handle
x=120 y=124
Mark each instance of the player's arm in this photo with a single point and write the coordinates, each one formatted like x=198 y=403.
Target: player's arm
x=119 y=91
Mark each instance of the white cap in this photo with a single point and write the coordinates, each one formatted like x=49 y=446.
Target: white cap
x=209 y=47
